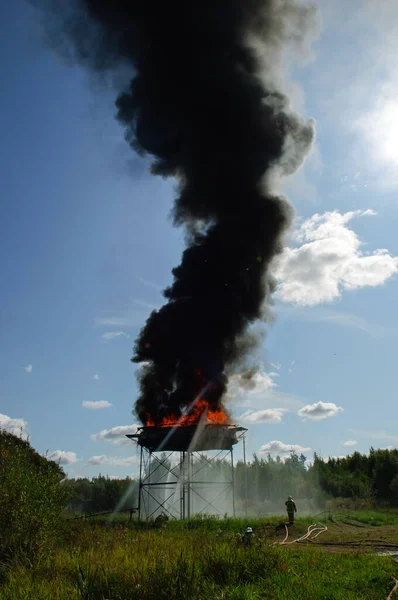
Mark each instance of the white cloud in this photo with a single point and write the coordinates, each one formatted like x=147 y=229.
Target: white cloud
x=319 y=410
x=269 y=415
x=62 y=457
x=151 y=284
x=251 y=381
x=349 y=320
x=277 y=447
x=132 y=315
x=111 y=321
x=96 y=405
x=112 y=335
x=275 y=366
x=321 y=314
x=329 y=260
x=350 y=443
x=378 y=435
x=14 y=426
x=116 y=461
x=28 y=368
x=257 y=390
x=290 y=369
x=245 y=388
x=116 y=435
x=96 y=377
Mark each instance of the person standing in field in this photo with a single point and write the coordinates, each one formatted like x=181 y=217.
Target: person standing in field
x=291 y=509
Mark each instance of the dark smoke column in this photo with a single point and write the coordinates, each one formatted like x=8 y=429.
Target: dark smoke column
x=210 y=113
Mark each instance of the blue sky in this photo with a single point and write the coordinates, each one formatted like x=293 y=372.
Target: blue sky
x=86 y=247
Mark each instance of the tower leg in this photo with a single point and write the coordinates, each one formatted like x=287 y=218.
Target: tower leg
x=140 y=485
x=182 y=486
x=189 y=483
x=233 y=481
x=245 y=472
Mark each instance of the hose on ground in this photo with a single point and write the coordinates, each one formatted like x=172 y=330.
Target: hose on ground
x=307 y=536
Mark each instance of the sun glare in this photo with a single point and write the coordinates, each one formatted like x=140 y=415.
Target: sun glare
x=380 y=127
x=389 y=132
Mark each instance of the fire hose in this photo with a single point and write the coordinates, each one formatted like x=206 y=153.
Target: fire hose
x=307 y=536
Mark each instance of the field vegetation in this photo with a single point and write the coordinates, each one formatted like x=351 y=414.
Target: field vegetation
x=48 y=554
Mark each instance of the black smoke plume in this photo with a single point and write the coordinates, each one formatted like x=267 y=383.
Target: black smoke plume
x=205 y=103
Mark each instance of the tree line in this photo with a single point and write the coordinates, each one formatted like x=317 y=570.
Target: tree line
x=263 y=484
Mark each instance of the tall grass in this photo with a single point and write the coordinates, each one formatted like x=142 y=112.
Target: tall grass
x=125 y=563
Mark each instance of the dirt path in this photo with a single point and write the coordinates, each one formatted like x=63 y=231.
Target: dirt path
x=342 y=536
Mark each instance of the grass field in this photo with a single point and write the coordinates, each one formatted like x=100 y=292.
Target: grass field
x=372 y=517
x=205 y=559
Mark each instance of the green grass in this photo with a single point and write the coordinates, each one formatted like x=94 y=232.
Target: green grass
x=379 y=517
x=210 y=523
x=201 y=559
x=376 y=518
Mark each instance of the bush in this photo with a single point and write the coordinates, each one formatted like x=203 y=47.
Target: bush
x=33 y=495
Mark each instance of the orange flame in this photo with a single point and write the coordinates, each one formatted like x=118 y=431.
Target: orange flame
x=201 y=408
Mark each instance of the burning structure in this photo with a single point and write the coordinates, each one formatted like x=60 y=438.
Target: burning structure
x=174 y=467
x=185 y=438
x=204 y=99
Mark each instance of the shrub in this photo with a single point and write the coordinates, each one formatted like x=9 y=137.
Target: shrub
x=33 y=495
